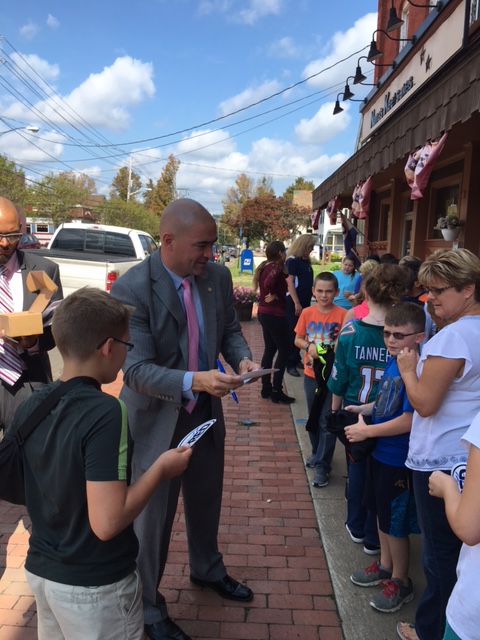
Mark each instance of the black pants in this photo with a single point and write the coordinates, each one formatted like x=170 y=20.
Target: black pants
x=277 y=340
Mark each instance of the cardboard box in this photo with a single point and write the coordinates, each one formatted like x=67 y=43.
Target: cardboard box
x=30 y=323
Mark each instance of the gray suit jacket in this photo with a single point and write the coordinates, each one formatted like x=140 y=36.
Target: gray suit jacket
x=154 y=369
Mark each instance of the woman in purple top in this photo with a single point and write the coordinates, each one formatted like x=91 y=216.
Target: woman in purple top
x=271 y=277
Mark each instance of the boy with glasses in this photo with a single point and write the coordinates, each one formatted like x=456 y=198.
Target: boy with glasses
x=81 y=560
x=389 y=481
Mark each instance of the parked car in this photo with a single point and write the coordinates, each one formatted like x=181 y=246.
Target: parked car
x=29 y=241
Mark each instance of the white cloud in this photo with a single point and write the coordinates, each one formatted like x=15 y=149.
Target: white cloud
x=29 y=30
x=23 y=147
x=249 y=96
x=27 y=62
x=324 y=125
x=283 y=48
x=341 y=45
x=52 y=22
x=237 y=12
x=103 y=97
x=258 y=9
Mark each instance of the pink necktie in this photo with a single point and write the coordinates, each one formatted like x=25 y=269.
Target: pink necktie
x=193 y=336
x=10 y=366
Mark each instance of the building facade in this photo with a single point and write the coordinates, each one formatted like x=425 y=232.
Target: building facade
x=428 y=85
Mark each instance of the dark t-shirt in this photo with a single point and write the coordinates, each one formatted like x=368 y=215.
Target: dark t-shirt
x=83 y=438
x=302 y=271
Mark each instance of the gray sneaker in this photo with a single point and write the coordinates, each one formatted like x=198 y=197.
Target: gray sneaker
x=371 y=576
x=310 y=462
x=320 y=479
x=394 y=595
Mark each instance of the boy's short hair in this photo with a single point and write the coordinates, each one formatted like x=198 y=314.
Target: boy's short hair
x=405 y=313
x=326 y=276
x=85 y=318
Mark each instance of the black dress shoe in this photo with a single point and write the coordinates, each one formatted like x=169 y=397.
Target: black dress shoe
x=293 y=372
x=227 y=587
x=165 y=630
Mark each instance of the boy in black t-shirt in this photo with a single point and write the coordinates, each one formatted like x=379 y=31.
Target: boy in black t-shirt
x=81 y=558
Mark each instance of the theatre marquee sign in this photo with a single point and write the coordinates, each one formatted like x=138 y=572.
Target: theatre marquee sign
x=427 y=61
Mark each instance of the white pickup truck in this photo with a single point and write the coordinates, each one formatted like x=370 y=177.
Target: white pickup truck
x=95 y=254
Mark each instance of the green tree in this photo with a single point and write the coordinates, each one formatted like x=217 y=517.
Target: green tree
x=166 y=188
x=12 y=182
x=268 y=218
x=120 y=184
x=127 y=214
x=149 y=195
x=58 y=194
x=300 y=184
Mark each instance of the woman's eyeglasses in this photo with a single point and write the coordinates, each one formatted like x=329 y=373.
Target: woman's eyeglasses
x=437 y=291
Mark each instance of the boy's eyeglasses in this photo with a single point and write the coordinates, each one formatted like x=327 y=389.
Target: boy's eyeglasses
x=129 y=345
x=398 y=336
x=437 y=291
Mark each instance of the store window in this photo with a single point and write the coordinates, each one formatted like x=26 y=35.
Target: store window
x=404 y=27
x=444 y=201
x=380 y=219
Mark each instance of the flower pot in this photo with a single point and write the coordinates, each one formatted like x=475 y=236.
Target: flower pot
x=450 y=234
x=244 y=311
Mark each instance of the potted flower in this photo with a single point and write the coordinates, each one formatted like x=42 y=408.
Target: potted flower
x=245 y=298
x=450 y=226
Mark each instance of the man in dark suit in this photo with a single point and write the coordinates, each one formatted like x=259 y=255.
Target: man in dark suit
x=158 y=390
x=31 y=351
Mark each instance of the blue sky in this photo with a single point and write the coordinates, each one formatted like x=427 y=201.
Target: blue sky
x=109 y=82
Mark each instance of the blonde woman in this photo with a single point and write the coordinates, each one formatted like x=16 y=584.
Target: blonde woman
x=299 y=283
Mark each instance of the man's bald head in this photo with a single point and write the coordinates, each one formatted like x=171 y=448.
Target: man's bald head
x=9 y=224
x=8 y=214
x=181 y=215
x=187 y=234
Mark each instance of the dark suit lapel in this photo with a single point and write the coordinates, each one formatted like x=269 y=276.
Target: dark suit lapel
x=28 y=296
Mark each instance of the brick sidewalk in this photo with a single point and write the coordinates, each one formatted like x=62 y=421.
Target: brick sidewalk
x=268 y=534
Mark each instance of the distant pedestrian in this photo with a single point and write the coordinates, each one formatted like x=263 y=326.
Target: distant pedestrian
x=299 y=296
x=271 y=278
x=347 y=277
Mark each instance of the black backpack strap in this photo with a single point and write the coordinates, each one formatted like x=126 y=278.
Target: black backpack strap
x=48 y=404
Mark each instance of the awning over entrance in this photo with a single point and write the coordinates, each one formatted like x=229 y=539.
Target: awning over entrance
x=453 y=96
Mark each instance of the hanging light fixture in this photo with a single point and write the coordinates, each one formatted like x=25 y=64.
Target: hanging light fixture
x=347 y=94
x=338 y=108
x=394 y=22
x=375 y=53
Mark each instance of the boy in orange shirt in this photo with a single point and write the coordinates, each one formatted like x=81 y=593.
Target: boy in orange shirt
x=317 y=329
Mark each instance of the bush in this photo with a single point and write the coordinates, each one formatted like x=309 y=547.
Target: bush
x=334 y=257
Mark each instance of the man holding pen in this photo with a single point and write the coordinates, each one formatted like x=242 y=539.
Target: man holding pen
x=183 y=319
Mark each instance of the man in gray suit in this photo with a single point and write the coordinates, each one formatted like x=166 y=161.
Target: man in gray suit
x=15 y=265
x=158 y=390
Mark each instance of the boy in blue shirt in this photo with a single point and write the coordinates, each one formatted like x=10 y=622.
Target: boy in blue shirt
x=389 y=481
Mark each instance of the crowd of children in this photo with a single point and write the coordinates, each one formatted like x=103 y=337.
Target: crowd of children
x=380 y=374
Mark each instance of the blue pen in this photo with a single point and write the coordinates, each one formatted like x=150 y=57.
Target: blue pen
x=222 y=370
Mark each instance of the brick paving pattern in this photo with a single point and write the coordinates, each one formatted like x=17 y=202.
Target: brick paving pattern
x=268 y=534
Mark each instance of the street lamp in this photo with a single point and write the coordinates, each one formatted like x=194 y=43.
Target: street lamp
x=30 y=128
